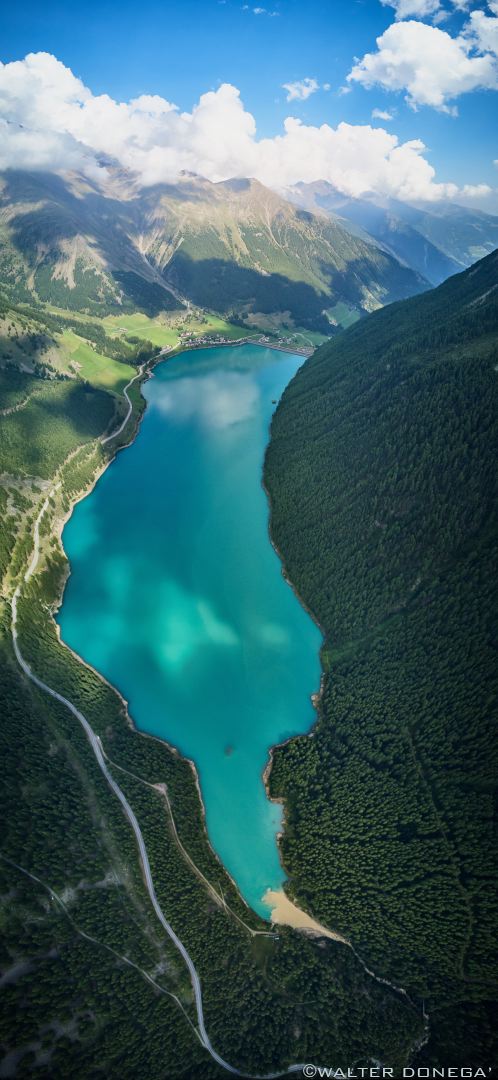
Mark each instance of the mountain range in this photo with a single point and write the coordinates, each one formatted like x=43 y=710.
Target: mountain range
x=234 y=247
x=436 y=239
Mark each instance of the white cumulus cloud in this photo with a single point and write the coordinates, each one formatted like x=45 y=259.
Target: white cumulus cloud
x=432 y=67
x=382 y=114
x=424 y=9
x=482 y=30
x=51 y=120
x=301 y=89
x=406 y=9
x=475 y=191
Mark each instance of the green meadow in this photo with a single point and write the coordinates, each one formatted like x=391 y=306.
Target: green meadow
x=162 y=330
x=141 y=326
x=99 y=370
x=216 y=325
x=161 y=333
x=343 y=315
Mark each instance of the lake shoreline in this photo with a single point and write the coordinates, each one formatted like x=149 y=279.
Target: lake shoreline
x=271 y=749
x=316 y=697
x=59 y=525
x=192 y=346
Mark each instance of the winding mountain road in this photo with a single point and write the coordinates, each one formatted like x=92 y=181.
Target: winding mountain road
x=114 y=434
x=129 y=813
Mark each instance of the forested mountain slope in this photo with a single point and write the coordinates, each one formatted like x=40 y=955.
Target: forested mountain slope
x=63 y=242
x=234 y=247
x=382 y=477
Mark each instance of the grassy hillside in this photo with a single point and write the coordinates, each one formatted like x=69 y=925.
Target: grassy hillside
x=44 y=338
x=382 y=476
x=93 y=366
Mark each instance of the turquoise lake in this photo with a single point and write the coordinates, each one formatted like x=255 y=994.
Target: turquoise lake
x=177 y=596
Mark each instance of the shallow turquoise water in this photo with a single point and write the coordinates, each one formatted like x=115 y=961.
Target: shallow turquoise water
x=177 y=596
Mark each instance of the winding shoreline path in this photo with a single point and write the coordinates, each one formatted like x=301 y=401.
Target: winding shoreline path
x=129 y=813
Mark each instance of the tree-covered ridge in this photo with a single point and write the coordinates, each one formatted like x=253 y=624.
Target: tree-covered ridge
x=29 y=333
x=382 y=476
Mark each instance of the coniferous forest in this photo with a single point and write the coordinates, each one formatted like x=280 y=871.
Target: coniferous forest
x=382 y=476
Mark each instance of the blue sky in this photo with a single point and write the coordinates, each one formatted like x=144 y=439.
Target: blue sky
x=181 y=50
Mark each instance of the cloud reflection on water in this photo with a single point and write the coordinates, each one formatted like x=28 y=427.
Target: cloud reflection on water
x=186 y=624
x=219 y=400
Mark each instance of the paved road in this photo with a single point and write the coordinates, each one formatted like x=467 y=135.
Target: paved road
x=96 y=747
x=114 y=434
x=94 y=743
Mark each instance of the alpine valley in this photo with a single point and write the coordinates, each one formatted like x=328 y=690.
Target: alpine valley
x=128 y=947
